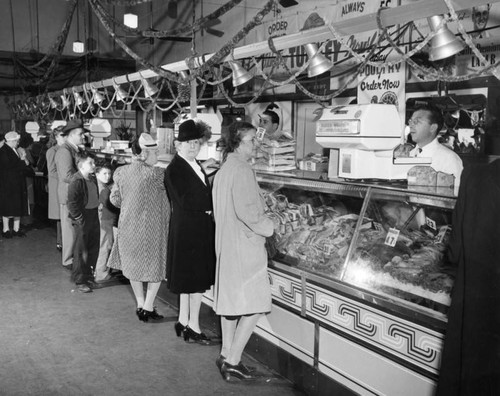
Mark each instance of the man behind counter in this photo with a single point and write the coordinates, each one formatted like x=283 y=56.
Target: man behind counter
x=425 y=124
x=270 y=121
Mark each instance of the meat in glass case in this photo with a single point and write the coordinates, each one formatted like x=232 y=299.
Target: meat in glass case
x=381 y=241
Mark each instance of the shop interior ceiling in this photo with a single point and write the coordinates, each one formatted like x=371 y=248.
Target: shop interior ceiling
x=36 y=51
x=30 y=30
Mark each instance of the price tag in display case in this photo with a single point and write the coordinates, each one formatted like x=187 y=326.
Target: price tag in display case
x=392 y=237
x=430 y=223
x=443 y=232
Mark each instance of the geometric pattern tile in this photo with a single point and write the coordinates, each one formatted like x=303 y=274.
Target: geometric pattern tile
x=390 y=335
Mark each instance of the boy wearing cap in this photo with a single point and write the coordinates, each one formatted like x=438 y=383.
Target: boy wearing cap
x=14 y=167
x=83 y=201
x=66 y=168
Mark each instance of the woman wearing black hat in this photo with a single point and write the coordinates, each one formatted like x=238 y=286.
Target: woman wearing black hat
x=191 y=252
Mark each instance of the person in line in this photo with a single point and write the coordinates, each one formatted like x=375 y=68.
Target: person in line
x=56 y=141
x=191 y=253
x=470 y=363
x=140 y=247
x=425 y=124
x=108 y=219
x=66 y=168
x=83 y=201
x=14 y=167
x=242 y=294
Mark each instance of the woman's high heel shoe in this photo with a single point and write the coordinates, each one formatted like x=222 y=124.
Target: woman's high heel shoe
x=200 y=338
x=138 y=312
x=143 y=314
x=239 y=371
x=179 y=329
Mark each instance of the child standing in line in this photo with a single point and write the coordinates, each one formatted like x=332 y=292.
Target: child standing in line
x=108 y=219
x=83 y=202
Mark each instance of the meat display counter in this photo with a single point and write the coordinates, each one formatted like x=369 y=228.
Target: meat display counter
x=362 y=263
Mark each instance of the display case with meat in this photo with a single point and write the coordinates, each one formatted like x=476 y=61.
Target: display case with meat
x=403 y=257
x=308 y=236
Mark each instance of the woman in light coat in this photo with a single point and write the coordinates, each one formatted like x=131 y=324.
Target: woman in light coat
x=140 y=247
x=242 y=292
x=54 y=211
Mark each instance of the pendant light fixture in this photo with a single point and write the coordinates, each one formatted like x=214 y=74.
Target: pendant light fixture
x=318 y=63
x=149 y=88
x=444 y=43
x=78 y=46
x=240 y=75
x=130 y=20
x=121 y=95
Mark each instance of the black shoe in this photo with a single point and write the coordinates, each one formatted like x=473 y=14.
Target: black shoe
x=200 y=338
x=239 y=371
x=83 y=288
x=19 y=233
x=68 y=267
x=7 y=234
x=138 y=313
x=59 y=247
x=221 y=359
x=143 y=314
x=154 y=315
x=93 y=285
x=179 y=328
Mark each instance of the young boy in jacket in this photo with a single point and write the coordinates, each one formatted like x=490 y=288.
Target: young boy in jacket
x=83 y=203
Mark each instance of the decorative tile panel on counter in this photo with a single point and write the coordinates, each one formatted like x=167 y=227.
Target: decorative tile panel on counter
x=398 y=339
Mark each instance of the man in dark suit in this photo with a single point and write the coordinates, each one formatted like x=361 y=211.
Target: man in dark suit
x=65 y=160
x=14 y=167
x=470 y=363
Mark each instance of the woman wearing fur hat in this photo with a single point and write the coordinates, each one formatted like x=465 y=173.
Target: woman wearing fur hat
x=140 y=247
x=191 y=250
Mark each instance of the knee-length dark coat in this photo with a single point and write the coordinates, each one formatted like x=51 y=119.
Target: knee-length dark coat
x=191 y=239
x=13 y=190
x=470 y=364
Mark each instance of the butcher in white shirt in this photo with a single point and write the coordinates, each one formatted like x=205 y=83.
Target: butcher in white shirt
x=425 y=124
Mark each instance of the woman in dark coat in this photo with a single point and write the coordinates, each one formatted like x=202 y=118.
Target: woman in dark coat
x=470 y=364
x=14 y=167
x=191 y=248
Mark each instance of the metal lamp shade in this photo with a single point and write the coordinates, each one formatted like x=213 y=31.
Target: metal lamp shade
x=318 y=63
x=64 y=101
x=53 y=103
x=149 y=88
x=121 y=95
x=78 y=98
x=97 y=96
x=240 y=75
x=444 y=44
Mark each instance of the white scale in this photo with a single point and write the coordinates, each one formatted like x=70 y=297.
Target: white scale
x=361 y=139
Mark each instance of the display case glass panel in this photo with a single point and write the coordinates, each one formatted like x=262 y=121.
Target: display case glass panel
x=388 y=242
x=400 y=250
x=314 y=224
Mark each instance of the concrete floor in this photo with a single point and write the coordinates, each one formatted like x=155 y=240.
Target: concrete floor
x=56 y=341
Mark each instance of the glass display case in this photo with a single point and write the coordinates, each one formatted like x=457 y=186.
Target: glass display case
x=381 y=241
